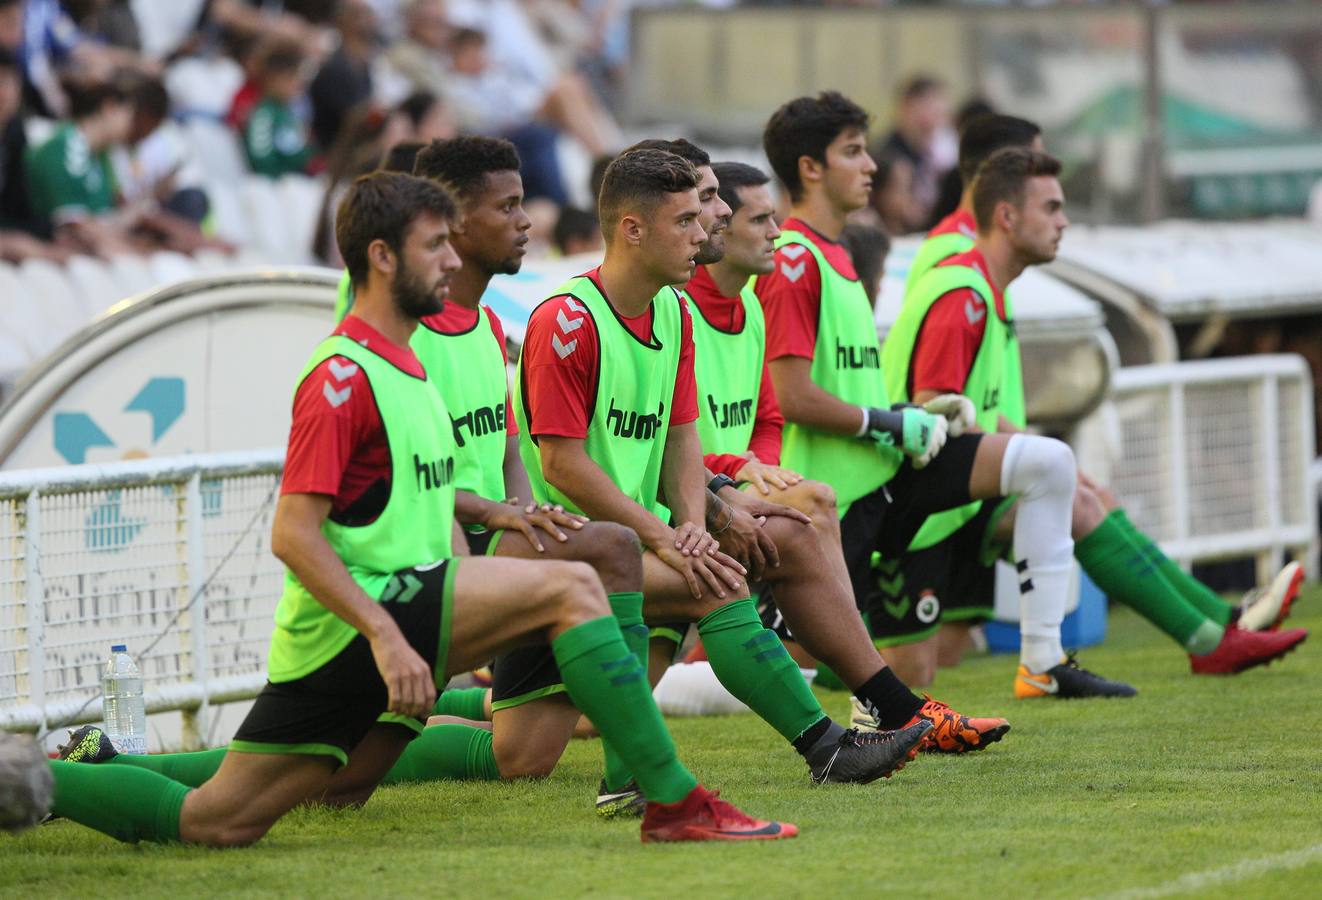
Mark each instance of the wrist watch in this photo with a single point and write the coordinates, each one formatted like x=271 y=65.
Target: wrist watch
x=721 y=481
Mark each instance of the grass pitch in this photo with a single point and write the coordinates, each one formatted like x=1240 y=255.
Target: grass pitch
x=1199 y=785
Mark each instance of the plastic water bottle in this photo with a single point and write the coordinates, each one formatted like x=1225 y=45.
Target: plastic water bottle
x=122 y=703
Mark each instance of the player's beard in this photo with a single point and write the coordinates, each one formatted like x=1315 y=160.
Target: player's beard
x=413 y=297
x=711 y=251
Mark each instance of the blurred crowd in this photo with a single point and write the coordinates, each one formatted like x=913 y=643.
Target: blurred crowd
x=95 y=96
x=94 y=159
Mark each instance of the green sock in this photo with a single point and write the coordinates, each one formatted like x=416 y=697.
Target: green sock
x=609 y=685
x=1119 y=566
x=627 y=607
x=463 y=703
x=1193 y=590
x=192 y=769
x=446 y=753
x=125 y=802
x=756 y=668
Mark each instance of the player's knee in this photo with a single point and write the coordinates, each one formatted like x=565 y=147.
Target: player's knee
x=1048 y=464
x=576 y=590
x=821 y=497
x=616 y=555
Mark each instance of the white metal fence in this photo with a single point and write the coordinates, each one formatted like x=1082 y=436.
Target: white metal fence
x=172 y=556
x=168 y=556
x=1215 y=456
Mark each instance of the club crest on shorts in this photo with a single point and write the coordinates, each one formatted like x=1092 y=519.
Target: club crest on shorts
x=928 y=608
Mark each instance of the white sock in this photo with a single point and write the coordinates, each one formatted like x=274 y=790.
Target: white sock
x=1042 y=472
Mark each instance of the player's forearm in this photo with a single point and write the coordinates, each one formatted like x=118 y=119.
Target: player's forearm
x=310 y=557
x=516 y=476
x=470 y=509
x=683 y=475
x=804 y=403
x=568 y=468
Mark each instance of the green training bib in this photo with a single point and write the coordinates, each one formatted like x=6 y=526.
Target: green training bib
x=469 y=372
x=847 y=364
x=635 y=386
x=343 y=297
x=728 y=368
x=985 y=379
x=939 y=248
x=413 y=528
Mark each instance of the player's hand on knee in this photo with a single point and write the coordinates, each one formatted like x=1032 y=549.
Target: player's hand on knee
x=924 y=436
x=959 y=412
x=693 y=540
x=764 y=477
x=409 y=681
x=745 y=540
x=756 y=506
x=721 y=573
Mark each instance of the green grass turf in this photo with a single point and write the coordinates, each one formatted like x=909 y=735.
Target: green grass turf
x=1084 y=798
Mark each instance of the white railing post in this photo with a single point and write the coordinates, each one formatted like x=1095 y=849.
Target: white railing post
x=36 y=603
x=1179 y=459
x=1269 y=439
x=195 y=724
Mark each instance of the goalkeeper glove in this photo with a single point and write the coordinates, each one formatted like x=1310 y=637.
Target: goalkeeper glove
x=919 y=434
x=958 y=411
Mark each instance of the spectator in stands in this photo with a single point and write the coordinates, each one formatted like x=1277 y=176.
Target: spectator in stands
x=427 y=116
x=158 y=165
x=53 y=47
x=910 y=165
x=345 y=78
x=70 y=177
x=577 y=231
x=951 y=188
x=275 y=138
x=21 y=231
x=422 y=54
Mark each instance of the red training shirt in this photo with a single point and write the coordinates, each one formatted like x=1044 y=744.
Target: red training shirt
x=560 y=377
x=792 y=295
x=958 y=222
x=950 y=335
x=337 y=442
x=727 y=314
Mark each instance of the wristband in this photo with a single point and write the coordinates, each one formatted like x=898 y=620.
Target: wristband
x=867 y=418
x=721 y=481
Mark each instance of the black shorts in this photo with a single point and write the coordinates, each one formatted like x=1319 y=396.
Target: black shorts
x=523 y=675
x=885 y=521
x=951 y=581
x=483 y=543
x=328 y=711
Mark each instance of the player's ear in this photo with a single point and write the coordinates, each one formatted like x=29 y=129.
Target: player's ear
x=1005 y=215
x=810 y=170
x=631 y=229
x=381 y=257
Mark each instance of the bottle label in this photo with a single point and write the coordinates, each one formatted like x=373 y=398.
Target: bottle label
x=135 y=744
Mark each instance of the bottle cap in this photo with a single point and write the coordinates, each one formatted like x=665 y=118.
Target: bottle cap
x=119 y=648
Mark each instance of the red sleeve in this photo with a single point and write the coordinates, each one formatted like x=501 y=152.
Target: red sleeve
x=684 y=400
x=334 y=414
x=724 y=463
x=791 y=297
x=767 y=427
x=560 y=369
x=511 y=426
x=948 y=342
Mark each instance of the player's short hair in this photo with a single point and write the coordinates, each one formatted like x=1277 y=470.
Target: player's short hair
x=598 y=174
x=681 y=147
x=382 y=206
x=735 y=175
x=868 y=247
x=401 y=158
x=1004 y=177
x=986 y=134
x=463 y=163
x=638 y=180
x=806 y=126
